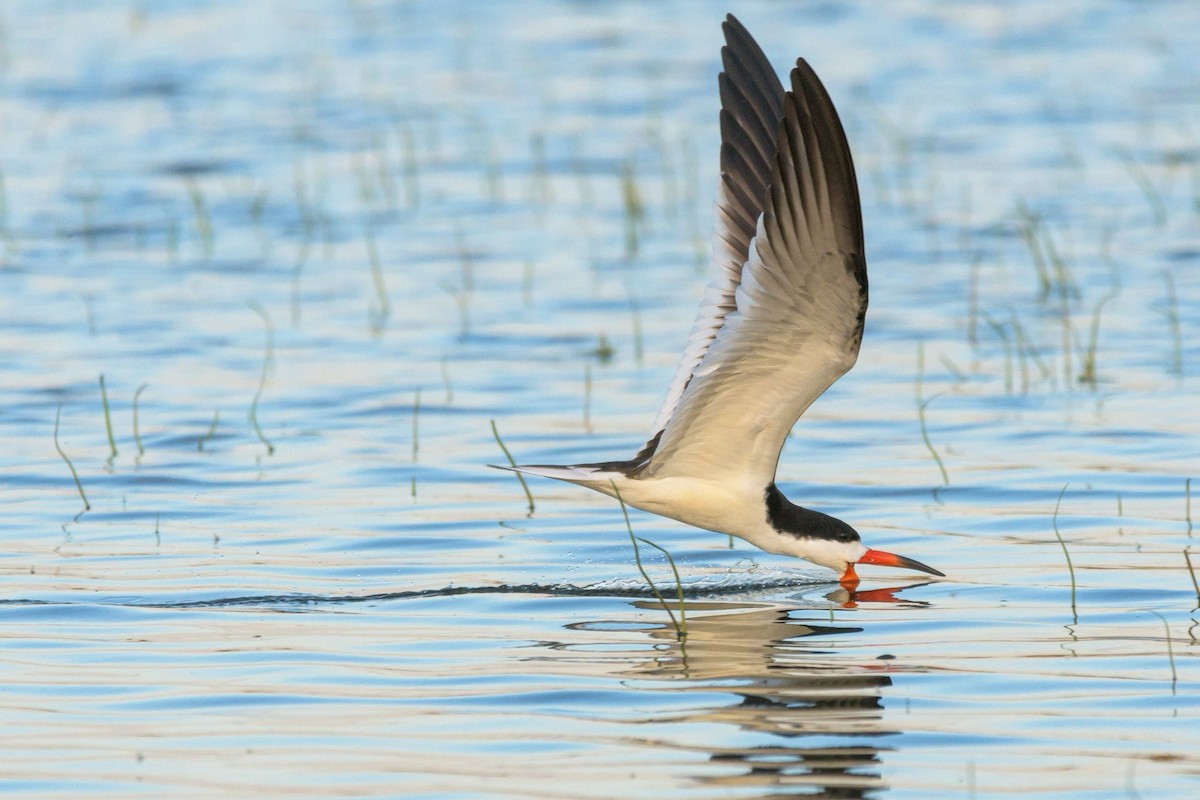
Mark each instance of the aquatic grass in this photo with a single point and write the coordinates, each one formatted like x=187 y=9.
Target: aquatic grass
x=928 y=444
x=268 y=355
x=1029 y=224
x=1187 y=556
x=462 y=293
x=383 y=174
x=512 y=463
x=929 y=220
x=201 y=216
x=482 y=143
x=604 y=351
x=416 y=417
x=1066 y=554
x=1064 y=281
x=1170 y=649
x=1154 y=198
x=172 y=242
x=1019 y=349
x=921 y=405
x=954 y=369
x=1027 y=349
x=466 y=263
x=1065 y=315
x=998 y=328
x=89 y=200
x=112 y=444
x=446 y=381
x=587 y=197
x=255 y=210
x=212 y=430
x=1087 y=374
x=973 y=303
x=681 y=629
x=137 y=438
x=1107 y=234
x=379 y=311
x=463 y=302
x=680 y=626
x=635 y=209
x=78 y=485
x=304 y=204
x=410 y=165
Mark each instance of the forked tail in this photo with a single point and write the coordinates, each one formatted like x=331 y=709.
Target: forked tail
x=593 y=476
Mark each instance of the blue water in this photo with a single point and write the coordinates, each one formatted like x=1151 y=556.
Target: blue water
x=393 y=223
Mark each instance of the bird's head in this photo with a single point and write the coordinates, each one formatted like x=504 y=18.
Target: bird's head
x=827 y=540
x=849 y=578
x=841 y=548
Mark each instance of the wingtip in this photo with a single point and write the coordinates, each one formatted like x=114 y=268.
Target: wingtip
x=733 y=29
x=805 y=81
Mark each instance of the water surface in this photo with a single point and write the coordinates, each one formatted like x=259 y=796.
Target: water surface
x=334 y=240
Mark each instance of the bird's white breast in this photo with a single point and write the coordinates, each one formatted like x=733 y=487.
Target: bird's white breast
x=722 y=506
x=738 y=509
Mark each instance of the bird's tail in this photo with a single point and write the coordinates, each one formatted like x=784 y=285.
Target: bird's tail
x=593 y=476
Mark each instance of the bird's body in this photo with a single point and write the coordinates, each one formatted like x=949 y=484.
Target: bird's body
x=759 y=515
x=781 y=322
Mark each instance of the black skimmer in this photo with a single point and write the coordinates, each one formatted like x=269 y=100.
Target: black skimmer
x=780 y=323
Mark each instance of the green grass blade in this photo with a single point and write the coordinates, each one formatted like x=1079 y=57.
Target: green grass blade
x=137 y=438
x=268 y=353
x=678 y=583
x=1192 y=571
x=212 y=429
x=1070 y=566
x=929 y=444
x=512 y=463
x=107 y=420
x=86 y=505
x=637 y=557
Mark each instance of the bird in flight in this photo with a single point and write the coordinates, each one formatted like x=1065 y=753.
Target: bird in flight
x=782 y=320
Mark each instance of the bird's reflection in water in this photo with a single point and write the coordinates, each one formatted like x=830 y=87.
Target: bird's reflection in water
x=789 y=689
